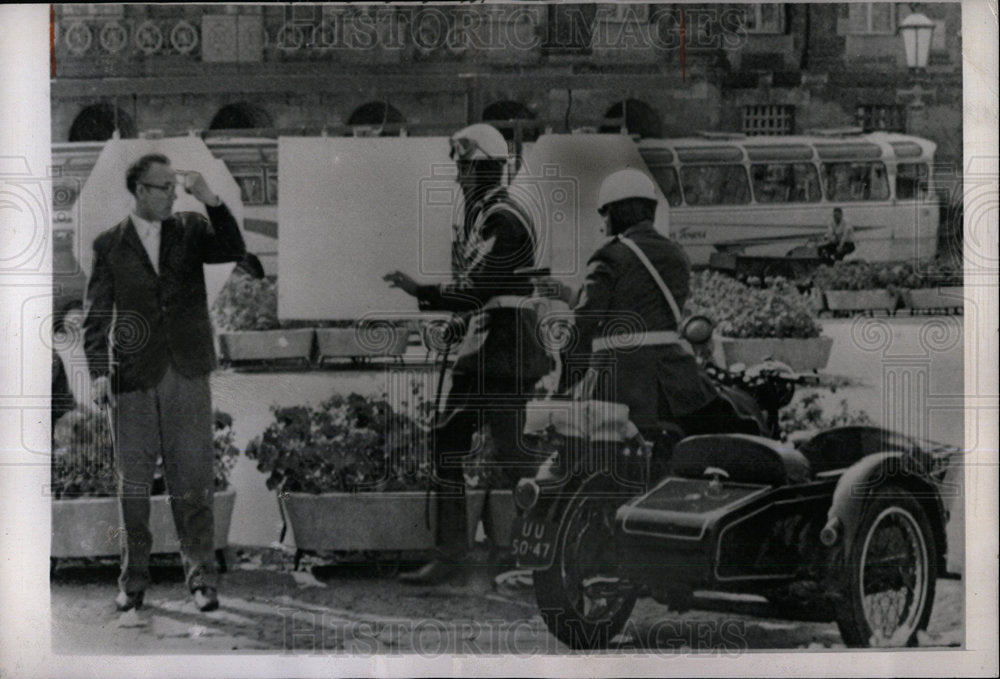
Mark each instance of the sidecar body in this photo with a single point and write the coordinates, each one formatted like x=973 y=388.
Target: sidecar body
x=745 y=513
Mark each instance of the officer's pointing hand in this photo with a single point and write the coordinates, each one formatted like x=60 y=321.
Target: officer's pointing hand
x=398 y=279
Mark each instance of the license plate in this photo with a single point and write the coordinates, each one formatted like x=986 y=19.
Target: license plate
x=533 y=542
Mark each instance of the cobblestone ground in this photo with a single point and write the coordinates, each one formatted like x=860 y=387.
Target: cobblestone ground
x=350 y=608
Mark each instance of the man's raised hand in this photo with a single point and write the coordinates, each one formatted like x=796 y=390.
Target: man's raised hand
x=100 y=392
x=196 y=185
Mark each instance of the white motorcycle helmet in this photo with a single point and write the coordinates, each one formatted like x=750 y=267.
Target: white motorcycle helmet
x=478 y=142
x=622 y=184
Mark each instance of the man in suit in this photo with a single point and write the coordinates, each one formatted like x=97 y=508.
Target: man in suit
x=147 y=291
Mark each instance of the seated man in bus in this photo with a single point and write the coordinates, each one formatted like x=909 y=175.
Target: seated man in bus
x=839 y=240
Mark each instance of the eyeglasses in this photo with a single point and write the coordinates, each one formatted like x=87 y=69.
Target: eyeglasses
x=166 y=188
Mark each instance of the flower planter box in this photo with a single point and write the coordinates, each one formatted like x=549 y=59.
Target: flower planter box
x=89 y=526
x=266 y=345
x=801 y=354
x=927 y=299
x=361 y=342
x=861 y=300
x=497 y=511
x=360 y=521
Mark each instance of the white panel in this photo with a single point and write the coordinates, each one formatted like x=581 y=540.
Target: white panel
x=354 y=209
x=104 y=200
x=559 y=183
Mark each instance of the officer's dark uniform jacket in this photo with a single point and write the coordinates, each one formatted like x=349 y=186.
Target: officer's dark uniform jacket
x=500 y=341
x=658 y=380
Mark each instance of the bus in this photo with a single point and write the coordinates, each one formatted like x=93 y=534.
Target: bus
x=727 y=193
x=765 y=196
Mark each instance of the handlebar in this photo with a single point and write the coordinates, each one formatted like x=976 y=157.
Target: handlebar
x=757 y=376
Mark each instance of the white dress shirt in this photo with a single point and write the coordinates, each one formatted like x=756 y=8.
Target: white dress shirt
x=149 y=234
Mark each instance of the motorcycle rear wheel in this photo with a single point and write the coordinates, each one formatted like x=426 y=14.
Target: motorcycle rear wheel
x=889 y=568
x=582 y=597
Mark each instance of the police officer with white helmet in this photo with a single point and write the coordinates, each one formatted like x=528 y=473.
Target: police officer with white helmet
x=628 y=316
x=499 y=358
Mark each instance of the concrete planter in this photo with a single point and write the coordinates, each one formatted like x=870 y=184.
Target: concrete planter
x=861 y=300
x=361 y=342
x=360 y=521
x=932 y=299
x=497 y=511
x=89 y=526
x=801 y=354
x=266 y=345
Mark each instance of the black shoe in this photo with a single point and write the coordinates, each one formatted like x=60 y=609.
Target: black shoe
x=126 y=601
x=205 y=598
x=435 y=572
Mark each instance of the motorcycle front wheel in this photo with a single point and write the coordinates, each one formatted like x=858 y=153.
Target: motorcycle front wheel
x=889 y=567
x=582 y=597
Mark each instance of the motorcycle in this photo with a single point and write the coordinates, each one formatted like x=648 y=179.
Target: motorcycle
x=847 y=524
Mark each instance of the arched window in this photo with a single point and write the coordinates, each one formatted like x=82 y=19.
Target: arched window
x=500 y=111
x=241 y=116
x=98 y=123
x=640 y=118
x=372 y=116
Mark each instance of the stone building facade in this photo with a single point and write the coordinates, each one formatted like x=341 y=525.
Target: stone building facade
x=655 y=70
x=681 y=68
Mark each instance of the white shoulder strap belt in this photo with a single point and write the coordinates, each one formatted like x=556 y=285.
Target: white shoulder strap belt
x=656 y=277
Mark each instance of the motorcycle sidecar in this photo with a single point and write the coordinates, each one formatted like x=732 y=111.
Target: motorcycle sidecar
x=849 y=526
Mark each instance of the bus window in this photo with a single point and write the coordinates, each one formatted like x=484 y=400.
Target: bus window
x=911 y=181
x=855 y=181
x=785 y=183
x=715 y=185
x=666 y=177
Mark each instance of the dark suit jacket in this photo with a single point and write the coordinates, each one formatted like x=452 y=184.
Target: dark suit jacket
x=156 y=320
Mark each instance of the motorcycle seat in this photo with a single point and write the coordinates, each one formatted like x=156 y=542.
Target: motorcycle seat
x=745 y=458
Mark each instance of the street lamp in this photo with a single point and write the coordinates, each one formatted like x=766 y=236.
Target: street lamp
x=916 y=30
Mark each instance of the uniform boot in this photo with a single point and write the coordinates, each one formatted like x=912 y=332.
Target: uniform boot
x=451 y=563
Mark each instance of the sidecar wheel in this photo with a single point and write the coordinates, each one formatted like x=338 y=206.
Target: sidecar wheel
x=582 y=598
x=889 y=568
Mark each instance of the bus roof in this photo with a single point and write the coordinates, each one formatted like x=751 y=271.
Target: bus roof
x=716 y=147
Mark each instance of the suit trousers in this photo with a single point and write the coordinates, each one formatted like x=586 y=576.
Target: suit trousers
x=172 y=420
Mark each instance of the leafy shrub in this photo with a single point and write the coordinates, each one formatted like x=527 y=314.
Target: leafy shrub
x=352 y=444
x=860 y=275
x=807 y=414
x=246 y=304
x=776 y=310
x=938 y=272
x=83 y=462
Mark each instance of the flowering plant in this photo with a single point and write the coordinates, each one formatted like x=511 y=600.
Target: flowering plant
x=351 y=444
x=777 y=309
x=83 y=459
x=808 y=414
x=938 y=272
x=246 y=303
x=860 y=275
